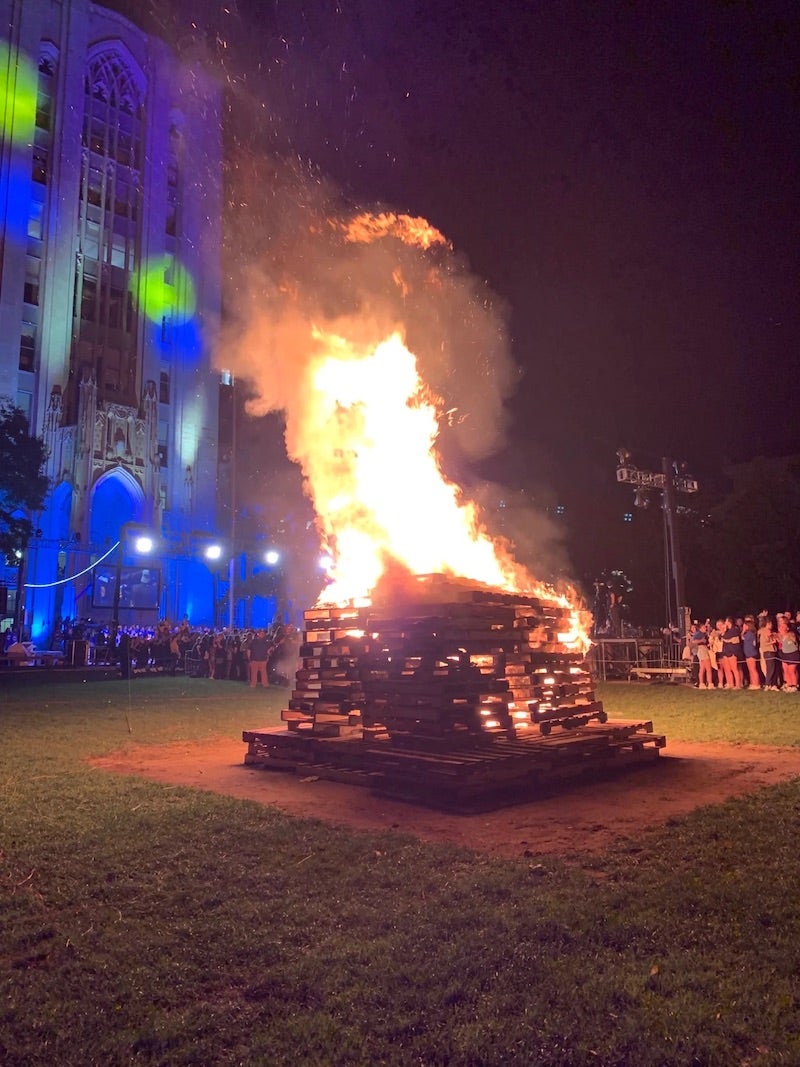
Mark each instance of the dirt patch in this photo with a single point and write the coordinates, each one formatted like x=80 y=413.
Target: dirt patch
x=583 y=816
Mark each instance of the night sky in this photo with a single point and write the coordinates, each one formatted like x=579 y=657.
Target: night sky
x=623 y=175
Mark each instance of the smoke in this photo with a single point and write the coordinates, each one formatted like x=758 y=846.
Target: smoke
x=524 y=522
x=303 y=261
x=296 y=270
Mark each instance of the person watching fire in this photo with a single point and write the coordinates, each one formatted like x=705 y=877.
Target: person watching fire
x=788 y=653
x=731 y=642
x=258 y=654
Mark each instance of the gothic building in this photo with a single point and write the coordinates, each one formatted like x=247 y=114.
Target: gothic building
x=110 y=204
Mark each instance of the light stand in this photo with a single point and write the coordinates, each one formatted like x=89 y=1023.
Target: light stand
x=671 y=480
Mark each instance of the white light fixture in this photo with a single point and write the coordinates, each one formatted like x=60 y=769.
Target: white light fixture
x=271 y=557
x=213 y=552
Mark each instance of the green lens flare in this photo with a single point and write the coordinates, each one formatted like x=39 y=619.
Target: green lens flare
x=164 y=289
x=19 y=82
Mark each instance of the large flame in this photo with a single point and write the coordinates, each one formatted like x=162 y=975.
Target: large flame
x=382 y=500
x=362 y=419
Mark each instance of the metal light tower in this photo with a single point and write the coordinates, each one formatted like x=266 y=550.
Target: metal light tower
x=672 y=479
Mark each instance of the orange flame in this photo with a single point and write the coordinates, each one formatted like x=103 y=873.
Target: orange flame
x=400 y=282
x=368 y=452
x=411 y=230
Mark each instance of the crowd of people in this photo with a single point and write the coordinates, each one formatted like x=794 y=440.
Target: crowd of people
x=746 y=652
x=267 y=655
x=264 y=656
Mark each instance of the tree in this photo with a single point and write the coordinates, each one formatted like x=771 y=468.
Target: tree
x=744 y=556
x=23 y=486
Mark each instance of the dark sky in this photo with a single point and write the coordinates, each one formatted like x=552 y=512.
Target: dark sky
x=624 y=175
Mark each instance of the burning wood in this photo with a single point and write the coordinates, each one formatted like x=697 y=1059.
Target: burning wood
x=440 y=659
x=430 y=632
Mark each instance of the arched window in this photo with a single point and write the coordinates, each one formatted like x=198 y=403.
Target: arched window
x=109 y=220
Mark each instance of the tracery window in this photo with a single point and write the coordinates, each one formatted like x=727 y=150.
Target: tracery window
x=109 y=219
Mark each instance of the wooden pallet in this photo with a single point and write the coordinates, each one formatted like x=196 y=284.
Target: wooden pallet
x=482 y=772
x=447 y=658
x=446 y=692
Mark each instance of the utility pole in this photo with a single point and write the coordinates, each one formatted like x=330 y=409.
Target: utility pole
x=670 y=480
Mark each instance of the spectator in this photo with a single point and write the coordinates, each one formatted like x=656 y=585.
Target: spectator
x=731 y=643
x=768 y=649
x=750 y=651
x=715 y=650
x=238 y=668
x=788 y=653
x=700 y=650
x=218 y=659
x=174 y=653
x=258 y=654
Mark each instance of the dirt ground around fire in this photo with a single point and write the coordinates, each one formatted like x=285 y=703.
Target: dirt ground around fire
x=579 y=817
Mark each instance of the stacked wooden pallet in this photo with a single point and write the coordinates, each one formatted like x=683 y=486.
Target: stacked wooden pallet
x=448 y=660
x=328 y=697
x=500 y=771
x=435 y=670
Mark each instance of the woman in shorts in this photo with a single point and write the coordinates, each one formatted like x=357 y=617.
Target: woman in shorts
x=699 y=646
x=788 y=654
x=750 y=650
x=731 y=643
x=715 y=650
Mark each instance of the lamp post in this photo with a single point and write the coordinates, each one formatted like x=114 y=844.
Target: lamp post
x=213 y=554
x=19 y=607
x=231 y=594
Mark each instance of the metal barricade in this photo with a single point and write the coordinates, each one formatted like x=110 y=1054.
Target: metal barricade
x=193 y=666
x=628 y=658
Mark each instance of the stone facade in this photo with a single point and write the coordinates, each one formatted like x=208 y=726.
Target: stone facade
x=111 y=177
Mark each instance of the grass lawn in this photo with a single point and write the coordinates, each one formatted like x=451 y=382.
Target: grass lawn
x=142 y=923
x=687 y=714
